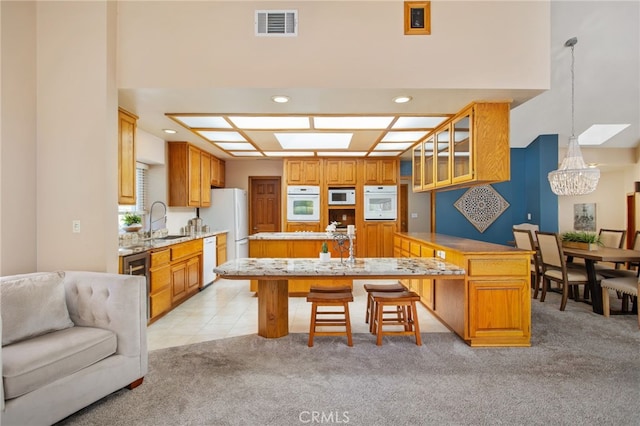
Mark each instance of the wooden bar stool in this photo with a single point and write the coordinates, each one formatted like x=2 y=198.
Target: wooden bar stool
x=332 y=317
x=404 y=302
x=380 y=288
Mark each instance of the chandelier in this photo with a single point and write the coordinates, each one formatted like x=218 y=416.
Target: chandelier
x=573 y=177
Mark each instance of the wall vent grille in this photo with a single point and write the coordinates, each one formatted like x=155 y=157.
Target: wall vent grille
x=276 y=23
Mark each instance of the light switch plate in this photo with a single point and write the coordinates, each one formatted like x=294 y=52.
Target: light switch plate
x=75 y=226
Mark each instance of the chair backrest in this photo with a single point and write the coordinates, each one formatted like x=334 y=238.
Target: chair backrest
x=636 y=241
x=550 y=246
x=524 y=239
x=612 y=237
x=531 y=227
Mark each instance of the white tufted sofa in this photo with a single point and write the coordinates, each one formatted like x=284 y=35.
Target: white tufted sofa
x=48 y=376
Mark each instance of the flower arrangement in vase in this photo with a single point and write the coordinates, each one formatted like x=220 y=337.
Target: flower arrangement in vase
x=325 y=256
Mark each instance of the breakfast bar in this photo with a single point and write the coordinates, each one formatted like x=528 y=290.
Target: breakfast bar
x=273 y=275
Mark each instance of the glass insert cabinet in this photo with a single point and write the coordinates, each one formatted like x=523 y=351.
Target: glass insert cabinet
x=470 y=148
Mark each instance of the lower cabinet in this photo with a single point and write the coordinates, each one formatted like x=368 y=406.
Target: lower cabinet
x=221 y=249
x=175 y=275
x=159 y=283
x=377 y=241
x=491 y=306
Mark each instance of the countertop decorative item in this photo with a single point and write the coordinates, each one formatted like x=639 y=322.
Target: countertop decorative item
x=325 y=256
x=132 y=222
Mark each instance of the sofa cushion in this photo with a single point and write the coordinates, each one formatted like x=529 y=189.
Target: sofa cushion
x=33 y=363
x=32 y=305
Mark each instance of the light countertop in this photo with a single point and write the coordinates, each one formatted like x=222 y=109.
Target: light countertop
x=285 y=268
x=293 y=235
x=141 y=246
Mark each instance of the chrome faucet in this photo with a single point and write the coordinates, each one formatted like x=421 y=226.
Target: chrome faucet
x=151 y=221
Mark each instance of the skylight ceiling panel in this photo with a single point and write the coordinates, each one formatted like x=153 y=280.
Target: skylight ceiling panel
x=394 y=146
x=215 y=136
x=271 y=122
x=352 y=123
x=203 y=122
x=418 y=122
x=314 y=140
x=404 y=136
x=236 y=146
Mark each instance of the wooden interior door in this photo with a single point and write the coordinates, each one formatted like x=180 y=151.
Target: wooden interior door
x=264 y=204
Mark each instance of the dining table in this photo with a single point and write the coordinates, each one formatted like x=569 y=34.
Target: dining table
x=273 y=275
x=600 y=254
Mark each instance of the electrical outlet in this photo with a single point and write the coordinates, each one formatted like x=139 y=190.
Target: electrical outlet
x=75 y=224
x=528 y=216
x=440 y=254
x=414 y=215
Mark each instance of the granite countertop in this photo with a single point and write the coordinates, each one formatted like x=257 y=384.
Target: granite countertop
x=141 y=246
x=303 y=235
x=311 y=267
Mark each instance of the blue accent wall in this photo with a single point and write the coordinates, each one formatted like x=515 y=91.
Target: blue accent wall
x=528 y=191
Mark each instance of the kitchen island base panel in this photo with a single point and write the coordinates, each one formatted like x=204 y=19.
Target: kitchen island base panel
x=273 y=308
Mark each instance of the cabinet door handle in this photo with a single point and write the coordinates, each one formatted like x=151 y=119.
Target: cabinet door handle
x=133 y=269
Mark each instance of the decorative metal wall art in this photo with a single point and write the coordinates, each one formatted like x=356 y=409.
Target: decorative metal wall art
x=481 y=205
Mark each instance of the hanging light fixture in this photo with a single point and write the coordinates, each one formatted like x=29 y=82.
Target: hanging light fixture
x=573 y=177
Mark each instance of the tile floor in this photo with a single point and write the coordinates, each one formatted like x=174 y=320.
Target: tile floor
x=227 y=308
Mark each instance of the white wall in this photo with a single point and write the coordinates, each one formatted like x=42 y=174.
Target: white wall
x=76 y=177
x=18 y=138
x=485 y=44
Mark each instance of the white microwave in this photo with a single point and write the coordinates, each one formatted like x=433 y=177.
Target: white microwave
x=346 y=196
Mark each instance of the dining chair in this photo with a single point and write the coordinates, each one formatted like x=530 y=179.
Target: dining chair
x=554 y=267
x=629 y=286
x=531 y=227
x=524 y=240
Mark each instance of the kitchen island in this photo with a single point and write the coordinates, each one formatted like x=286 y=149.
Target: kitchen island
x=295 y=245
x=274 y=274
x=491 y=306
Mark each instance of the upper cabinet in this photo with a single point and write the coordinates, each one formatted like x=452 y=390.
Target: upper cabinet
x=126 y=157
x=381 y=171
x=217 y=172
x=341 y=172
x=302 y=172
x=471 y=148
x=189 y=184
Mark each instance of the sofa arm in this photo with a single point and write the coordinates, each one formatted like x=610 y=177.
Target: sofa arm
x=111 y=301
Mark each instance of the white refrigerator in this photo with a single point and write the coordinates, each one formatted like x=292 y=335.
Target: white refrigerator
x=229 y=211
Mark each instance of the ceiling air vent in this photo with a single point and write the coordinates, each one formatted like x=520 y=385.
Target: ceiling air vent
x=276 y=23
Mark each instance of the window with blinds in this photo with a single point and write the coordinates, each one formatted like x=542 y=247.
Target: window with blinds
x=142 y=181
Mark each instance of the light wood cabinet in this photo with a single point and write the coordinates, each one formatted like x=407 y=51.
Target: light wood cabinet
x=217 y=172
x=205 y=179
x=381 y=171
x=470 y=148
x=377 y=241
x=186 y=273
x=302 y=172
x=189 y=184
x=221 y=248
x=341 y=172
x=491 y=305
x=159 y=283
x=126 y=157
x=304 y=227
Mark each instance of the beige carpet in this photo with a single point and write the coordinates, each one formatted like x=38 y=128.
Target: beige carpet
x=581 y=369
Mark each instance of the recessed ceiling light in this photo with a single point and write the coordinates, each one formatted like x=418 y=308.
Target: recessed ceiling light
x=402 y=99
x=280 y=99
x=170 y=131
